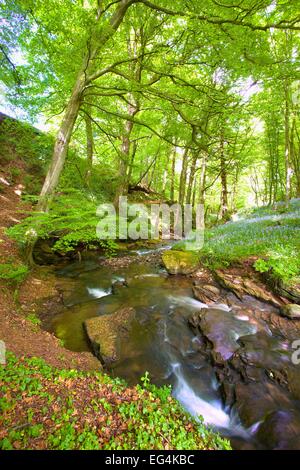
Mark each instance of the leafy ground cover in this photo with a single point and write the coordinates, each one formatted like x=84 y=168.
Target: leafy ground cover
x=272 y=235
x=47 y=408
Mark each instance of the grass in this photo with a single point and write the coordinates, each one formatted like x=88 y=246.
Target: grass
x=272 y=235
x=47 y=408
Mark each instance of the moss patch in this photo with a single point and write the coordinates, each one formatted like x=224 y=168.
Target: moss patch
x=180 y=262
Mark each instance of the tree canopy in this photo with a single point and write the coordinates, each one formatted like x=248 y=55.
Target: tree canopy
x=194 y=100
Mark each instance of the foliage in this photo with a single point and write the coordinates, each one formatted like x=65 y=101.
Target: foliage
x=43 y=407
x=20 y=140
x=33 y=318
x=72 y=222
x=213 y=81
x=272 y=236
x=14 y=273
x=282 y=263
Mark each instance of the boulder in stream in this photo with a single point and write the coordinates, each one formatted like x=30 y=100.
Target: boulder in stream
x=223 y=331
x=281 y=430
x=290 y=291
x=180 y=262
x=118 y=286
x=250 y=350
x=105 y=333
x=291 y=311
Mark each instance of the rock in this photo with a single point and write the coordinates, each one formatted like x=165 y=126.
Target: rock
x=278 y=324
x=243 y=285
x=194 y=320
x=180 y=262
x=118 y=285
x=280 y=430
x=206 y=294
x=250 y=351
x=106 y=331
x=290 y=291
x=254 y=400
x=291 y=311
x=43 y=253
x=224 y=331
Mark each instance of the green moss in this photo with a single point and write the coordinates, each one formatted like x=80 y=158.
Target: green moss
x=180 y=262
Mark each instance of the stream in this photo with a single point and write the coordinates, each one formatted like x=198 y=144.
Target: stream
x=238 y=398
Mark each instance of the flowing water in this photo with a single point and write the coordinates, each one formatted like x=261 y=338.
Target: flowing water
x=160 y=340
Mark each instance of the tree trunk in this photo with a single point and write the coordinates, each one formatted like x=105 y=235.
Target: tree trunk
x=132 y=109
x=234 y=188
x=124 y=160
x=295 y=155
x=96 y=42
x=202 y=179
x=164 y=180
x=191 y=179
x=223 y=174
x=183 y=175
x=61 y=145
x=89 y=144
x=133 y=153
x=172 y=186
x=288 y=169
x=64 y=134
x=195 y=187
x=151 y=180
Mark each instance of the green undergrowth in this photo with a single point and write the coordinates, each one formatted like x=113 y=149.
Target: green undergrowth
x=13 y=273
x=22 y=143
x=271 y=234
x=46 y=408
x=71 y=222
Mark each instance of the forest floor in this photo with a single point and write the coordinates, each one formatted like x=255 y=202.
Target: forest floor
x=48 y=408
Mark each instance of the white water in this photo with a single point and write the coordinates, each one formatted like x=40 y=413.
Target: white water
x=186 y=302
x=141 y=276
x=242 y=317
x=212 y=413
x=147 y=251
x=223 y=307
x=97 y=293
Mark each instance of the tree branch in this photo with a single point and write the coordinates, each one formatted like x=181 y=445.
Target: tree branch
x=283 y=24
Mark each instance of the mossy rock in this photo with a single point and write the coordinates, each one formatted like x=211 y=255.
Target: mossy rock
x=180 y=262
x=106 y=332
